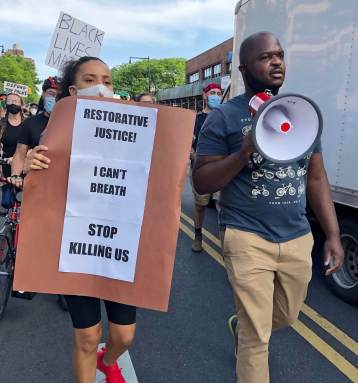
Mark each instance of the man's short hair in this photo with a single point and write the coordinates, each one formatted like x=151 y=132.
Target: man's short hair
x=248 y=44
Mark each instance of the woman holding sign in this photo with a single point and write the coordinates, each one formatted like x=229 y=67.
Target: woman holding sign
x=90 y=76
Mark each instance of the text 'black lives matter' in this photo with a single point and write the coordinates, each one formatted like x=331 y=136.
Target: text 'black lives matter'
x=73 y=39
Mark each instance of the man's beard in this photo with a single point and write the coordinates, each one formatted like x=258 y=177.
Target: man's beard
x=257 y=85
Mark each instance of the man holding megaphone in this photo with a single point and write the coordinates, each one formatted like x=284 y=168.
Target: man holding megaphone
x=264 y=168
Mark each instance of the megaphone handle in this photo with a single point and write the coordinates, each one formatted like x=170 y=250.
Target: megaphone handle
x=254 y=164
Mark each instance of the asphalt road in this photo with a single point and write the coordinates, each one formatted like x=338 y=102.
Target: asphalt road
x=190 y=343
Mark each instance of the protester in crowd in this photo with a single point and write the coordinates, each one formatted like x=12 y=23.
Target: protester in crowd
x=90 y=76
x=40 y=106
x=10 y=128
x=267 y=241
x=33 y=109
x=145 y=97
x=212 y=94
x=26 y=111
x=33 y=128
x=2 y=105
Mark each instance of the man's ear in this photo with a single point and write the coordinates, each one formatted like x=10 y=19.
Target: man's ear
x=242 y=68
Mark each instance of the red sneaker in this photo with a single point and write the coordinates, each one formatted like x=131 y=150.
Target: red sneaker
x=113 y=372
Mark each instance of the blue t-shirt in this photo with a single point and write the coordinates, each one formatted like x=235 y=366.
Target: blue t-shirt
x=199 y=122
x=264 y=198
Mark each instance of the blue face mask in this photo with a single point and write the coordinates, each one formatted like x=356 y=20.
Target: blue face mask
x=49 y=103
x=214 y=101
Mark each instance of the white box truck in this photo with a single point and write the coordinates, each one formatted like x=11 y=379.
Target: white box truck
x=320 y=39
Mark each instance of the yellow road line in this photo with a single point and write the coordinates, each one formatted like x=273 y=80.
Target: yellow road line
x=327 y=326
x=338 y=334
x=206 y=233
x=327 y=351
x=214 y=254
x=320 y=345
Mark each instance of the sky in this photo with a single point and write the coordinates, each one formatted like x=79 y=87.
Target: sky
x=158 y=28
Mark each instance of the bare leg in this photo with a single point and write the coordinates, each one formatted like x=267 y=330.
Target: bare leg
x=199 y=213
x=85 y=353
x=119 y=339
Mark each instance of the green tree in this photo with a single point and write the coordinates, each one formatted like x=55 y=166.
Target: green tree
x=163 y=73
x=17 y=69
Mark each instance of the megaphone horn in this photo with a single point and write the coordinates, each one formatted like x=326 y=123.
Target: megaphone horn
x=285 y=127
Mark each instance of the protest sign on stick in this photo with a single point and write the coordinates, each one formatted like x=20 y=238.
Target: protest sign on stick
x=103 y=220
x=73 y=39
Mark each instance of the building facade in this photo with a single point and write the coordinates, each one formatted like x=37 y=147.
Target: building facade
x=211 y=65
x=17 y=50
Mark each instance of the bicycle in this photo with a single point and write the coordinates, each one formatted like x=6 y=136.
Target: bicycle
x=8 y=244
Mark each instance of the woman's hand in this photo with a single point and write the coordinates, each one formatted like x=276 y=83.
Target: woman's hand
x=35 y=160
x=16 y=180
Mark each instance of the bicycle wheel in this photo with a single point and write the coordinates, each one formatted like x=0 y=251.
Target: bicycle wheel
x=6 y=272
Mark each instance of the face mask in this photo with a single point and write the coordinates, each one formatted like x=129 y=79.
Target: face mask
x=95 y=91
x=49 y=103
x=13 y=109
x=214 y=101
x=33 y=111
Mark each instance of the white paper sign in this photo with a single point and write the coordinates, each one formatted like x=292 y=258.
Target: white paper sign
x=110 y=161
x=12 y=87
x=73 y=39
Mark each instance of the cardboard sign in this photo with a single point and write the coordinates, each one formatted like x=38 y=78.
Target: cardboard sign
x=12 y=87
x=110 y=160
x=73 y=39
x=44 y=208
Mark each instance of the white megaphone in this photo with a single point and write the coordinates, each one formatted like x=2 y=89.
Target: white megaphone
x=285 y=127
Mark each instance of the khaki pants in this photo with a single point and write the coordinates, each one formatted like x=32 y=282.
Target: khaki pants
x=202 y=199
x=269 y=282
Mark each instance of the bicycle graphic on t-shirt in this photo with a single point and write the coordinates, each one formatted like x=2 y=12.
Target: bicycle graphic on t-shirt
x=246 y=130
x=301 y=189
x=255 y=175
x=301 y=171
x=280 y=192
x=286 y=172
x=260 y=190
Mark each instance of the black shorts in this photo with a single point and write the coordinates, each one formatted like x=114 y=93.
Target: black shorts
x=86 y=311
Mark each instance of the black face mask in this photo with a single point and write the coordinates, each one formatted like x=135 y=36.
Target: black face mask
x=258 y=86
x=13 y=109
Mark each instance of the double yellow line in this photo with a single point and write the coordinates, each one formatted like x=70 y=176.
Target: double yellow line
x=347 y=368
